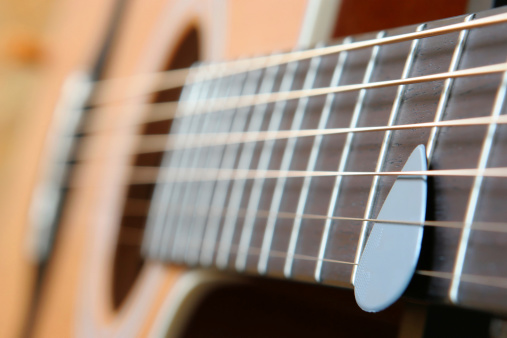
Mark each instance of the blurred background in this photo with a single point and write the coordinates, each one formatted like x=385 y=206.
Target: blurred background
x=24 y=26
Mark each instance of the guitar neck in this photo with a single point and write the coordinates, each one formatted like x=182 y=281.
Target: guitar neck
x=262 y=206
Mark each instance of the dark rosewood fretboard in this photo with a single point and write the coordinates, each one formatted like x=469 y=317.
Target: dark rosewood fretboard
x=261 y=225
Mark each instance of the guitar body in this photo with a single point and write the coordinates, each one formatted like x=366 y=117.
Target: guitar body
x=76 y=295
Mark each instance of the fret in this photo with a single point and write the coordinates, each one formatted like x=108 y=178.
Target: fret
x=247 y=153
x=257 y=224
x=293 y=110
x=226 y=159
x=382 y=154
x=170 y=235
x=370 y=65
x=259 y=193
x=446 y=92
x=324 y=116
x=272 y=190
x=444 y=97
x=236 y=122
x=280 y=182
x=231 y=219
x=449 y=198
x=220 y=194
x=360 y=66
x=162 y=194
x=474 y=195
x=485 y=251
x=215 y=122
x=345 y=153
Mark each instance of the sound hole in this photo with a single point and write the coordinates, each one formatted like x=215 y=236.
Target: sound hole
x=128 y=261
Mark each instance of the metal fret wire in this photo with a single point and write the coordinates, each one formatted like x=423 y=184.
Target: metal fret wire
x=240 y=249
x=223 y=88
x=169 y=229
x=446 y=91
x=324 y=116
x=219 y=199
x=230 y=221
x=198 y=196
x=311 y=164
x=344 y=156
x=220 y=157
x=161 y=195
x=269 y=230
x=383 y=149
x=474 y=194
x=247 y=151
x=285 y=163
x=288 y=152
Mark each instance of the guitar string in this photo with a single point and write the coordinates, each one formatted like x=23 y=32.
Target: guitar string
x=150 y=112
x=140 y=175
x=227 y=103
x=209 y=106
x=176 y=78
x=494 y=281
x=484 y=280
x=136 y=208
x=147 y=175
x=154 y=143
x=150 y=175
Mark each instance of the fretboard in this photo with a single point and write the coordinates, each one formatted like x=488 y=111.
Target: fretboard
x=238 y=204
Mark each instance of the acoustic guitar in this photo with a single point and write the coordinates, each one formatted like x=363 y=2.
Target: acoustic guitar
x=188 y=158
